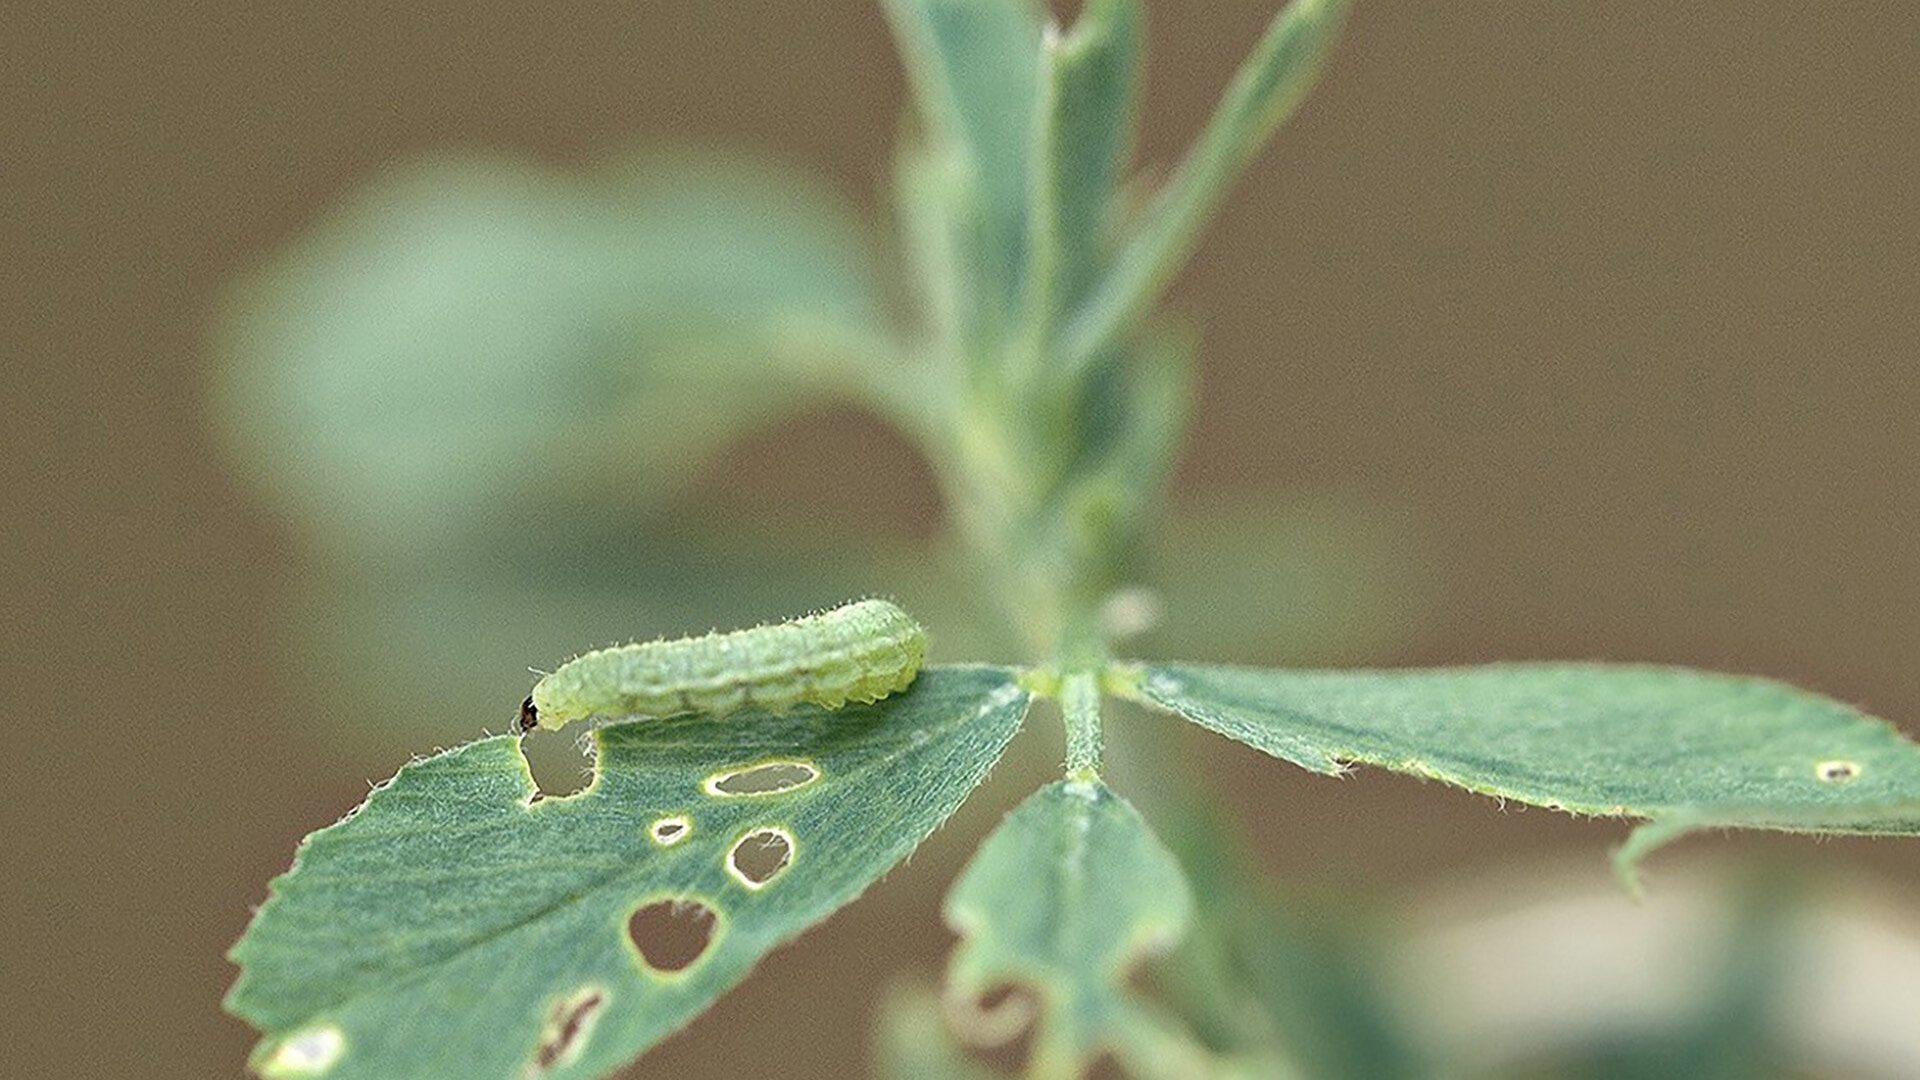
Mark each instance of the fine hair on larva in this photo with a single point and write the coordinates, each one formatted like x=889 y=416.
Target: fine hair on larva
x=861 y=651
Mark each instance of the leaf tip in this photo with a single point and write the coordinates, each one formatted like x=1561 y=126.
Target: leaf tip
x=1646 y=838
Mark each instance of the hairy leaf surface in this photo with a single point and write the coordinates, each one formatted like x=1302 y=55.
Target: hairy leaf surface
x=1688 y=749
x=1064 y=898
x=457 y=924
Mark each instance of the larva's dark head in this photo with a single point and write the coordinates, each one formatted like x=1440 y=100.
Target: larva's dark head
x=529 y=716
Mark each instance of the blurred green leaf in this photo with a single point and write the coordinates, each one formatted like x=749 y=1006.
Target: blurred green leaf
x=1089 y=83
x=1734 y=1032
x=456 y=925
x=1282 y=981
x=974 y=67
x=1721 y=977
x=931 y=191
x=1284 y=579
x=1132 y=416
x=1064 y=898
x=1264 y=92
x=471 y=342
x=915 y=1044
x=1686 y=749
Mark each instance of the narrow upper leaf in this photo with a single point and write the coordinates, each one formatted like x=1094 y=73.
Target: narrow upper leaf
x=1089 y=83
x=1063 y=898
x=456 y=925
x=1689 y=749
x=974 y=68
x=1264 y=92
x=973 y=65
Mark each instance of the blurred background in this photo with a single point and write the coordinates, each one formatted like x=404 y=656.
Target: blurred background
x=1550 y=331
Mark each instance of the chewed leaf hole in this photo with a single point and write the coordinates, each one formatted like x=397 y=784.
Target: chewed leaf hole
x=312 y=1052
x=769 y=778
x=672 y=935
x=560 y=767
x=568 y=1024
x=669 y=831
x=995 y=1020
x=760 y=855
x=1837 y=772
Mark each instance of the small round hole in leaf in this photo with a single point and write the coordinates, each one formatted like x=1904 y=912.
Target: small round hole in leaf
x=1837 y=772
x=995 y=1027
x=671 y=935
x=669 y=831
x=1001 y=1017
x=760 y=855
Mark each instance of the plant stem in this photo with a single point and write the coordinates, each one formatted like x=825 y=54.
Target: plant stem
x=1080 y=706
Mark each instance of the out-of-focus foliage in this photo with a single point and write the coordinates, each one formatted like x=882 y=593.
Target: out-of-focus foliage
x=1284 y=579
x=1269 y=979
x=477 y=386
x=480 y=346
x=1760 y=972
x=480 y=389
x=915 y=1043
x=480 y=385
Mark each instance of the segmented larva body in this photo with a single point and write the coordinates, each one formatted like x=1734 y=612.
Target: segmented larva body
x=860 y=652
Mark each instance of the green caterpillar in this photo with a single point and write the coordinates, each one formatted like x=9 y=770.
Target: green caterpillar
x=862 y=651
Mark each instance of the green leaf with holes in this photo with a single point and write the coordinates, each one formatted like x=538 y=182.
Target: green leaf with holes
x=1064 y=898
x=456 y=925
x=1687 y=749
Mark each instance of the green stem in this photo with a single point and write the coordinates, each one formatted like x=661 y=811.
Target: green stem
x=1083 y=661
x=1080 y=705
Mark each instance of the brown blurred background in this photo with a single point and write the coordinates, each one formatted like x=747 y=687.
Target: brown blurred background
x=1620 y=301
